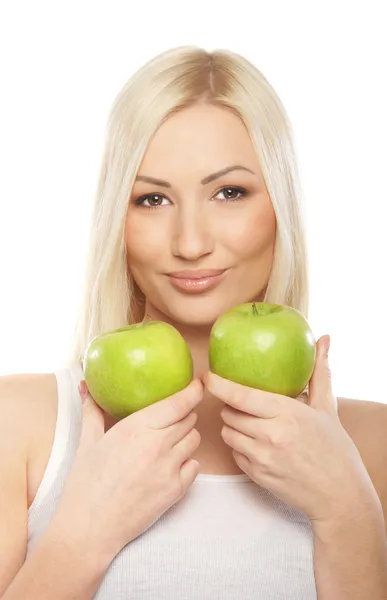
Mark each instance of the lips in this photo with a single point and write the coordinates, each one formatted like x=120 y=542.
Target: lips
x=195 y=282
x=196 y=274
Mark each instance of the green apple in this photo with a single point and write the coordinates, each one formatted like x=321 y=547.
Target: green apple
x=265 y=346
x=132 y=367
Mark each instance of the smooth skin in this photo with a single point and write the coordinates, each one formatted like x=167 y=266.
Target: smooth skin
x=191 y=227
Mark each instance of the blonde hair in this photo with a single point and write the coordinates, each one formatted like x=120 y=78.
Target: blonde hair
x=166 y=84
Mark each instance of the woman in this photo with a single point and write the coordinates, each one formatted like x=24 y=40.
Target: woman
x=220 y=490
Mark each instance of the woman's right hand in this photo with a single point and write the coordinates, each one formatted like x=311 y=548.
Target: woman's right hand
x=123 y=480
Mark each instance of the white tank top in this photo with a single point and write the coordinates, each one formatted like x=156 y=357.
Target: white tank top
x=226 y=538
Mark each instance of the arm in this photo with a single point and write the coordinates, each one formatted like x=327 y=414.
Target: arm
x=56 y=569
x=13 y=485
x=350 y=556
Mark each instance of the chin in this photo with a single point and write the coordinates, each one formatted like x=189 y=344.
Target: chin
x=199 y=311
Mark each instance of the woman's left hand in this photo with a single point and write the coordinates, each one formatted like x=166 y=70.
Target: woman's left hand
x=300 y=452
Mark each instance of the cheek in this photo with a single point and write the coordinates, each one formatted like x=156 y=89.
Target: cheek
x=252 y=232
x=144 y=240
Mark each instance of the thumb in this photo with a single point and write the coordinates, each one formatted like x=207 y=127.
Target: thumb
x=321 y=395
x=93 y=422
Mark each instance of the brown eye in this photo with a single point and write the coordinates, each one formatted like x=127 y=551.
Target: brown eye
x=150 y=200
x=232 y=193
x=155 y=200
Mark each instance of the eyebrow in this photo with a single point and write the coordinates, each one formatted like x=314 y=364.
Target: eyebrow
x=204 y=181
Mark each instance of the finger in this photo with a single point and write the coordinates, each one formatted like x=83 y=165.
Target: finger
x=243 y=462
x=255 y=402
x=274 y=432
x=239 y=441
x=184 y=449
x=93 y=422
x=321 y=396
x=188 y=472
x=177 y=431
x=241 y=421
x=174 y=408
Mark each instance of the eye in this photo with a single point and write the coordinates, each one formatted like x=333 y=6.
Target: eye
x=230 y=192
x=153 y=200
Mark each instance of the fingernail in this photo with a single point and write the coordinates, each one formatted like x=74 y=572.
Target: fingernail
x=327 y=343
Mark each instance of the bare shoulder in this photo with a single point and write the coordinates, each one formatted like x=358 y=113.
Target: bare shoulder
x=28 y=409
x=366 y=423
x=25 y=400
x=364 y=420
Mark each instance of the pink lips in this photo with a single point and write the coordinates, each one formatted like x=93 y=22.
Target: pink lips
x=195 y=282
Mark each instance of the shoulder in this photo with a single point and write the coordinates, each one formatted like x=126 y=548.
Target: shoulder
x=28 y=408
x=366 y=423
x=23 y=396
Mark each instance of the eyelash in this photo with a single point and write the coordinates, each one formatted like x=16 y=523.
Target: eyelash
x=242 y=194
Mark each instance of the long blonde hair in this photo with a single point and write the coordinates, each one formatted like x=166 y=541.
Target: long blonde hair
x=166 y=84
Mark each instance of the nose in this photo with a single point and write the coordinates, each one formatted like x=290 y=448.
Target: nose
x=191 y=237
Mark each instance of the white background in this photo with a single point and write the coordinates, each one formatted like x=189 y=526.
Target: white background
x=63 y=63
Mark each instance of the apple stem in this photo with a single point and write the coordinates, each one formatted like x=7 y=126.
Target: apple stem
x=255 y=310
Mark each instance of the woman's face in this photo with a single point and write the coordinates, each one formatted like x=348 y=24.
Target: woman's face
x=190 y=221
